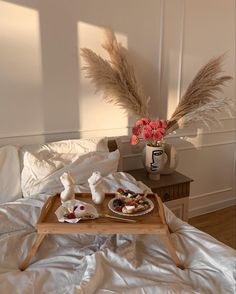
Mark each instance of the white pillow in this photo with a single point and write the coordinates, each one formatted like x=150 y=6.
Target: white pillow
x=70 y=146
x=43 y=175
x=10 y=188
x=79 y=146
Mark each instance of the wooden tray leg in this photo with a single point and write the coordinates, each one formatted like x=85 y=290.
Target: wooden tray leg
x=166 y=237
x=32 y=251
x=170 y=247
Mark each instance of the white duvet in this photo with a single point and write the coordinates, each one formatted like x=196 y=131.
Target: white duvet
x=109 y=263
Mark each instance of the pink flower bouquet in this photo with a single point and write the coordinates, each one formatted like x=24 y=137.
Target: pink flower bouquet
x=152 y=132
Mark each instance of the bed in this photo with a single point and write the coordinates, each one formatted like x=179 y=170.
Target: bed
x=81 y=263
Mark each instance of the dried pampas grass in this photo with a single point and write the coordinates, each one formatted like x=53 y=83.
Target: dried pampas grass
x=200 y=102
x=116 y=77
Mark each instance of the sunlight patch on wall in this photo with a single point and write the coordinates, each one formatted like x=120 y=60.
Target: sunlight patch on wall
x=171 y=102
x=94 y=113
x=172 y=81
x=20 y=41
x=195 y=140
x=21 y=73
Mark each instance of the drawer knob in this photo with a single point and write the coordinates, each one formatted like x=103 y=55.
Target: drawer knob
x=166 y=196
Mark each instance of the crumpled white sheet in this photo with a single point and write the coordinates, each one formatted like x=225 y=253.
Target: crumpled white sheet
x=105 y=264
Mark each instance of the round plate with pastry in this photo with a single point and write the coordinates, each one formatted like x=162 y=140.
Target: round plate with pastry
x=130 y=206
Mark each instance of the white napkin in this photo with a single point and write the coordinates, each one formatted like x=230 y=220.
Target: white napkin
x=83 y=211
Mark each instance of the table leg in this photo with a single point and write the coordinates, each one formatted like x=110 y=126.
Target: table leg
x=170 y=247
x=32 y=251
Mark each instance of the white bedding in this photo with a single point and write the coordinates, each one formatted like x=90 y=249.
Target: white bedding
x=109 y=263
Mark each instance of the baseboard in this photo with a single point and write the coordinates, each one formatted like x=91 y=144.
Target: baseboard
x=214 y=206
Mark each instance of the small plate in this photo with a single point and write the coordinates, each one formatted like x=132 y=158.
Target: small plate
x=89 y=211
x=111 y=207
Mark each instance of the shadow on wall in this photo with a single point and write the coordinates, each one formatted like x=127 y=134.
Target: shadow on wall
x=58 y=105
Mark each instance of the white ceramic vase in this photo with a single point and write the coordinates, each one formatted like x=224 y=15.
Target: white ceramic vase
x=172 y=159
x=155 y=159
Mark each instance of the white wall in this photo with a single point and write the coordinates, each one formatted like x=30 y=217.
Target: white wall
x=44 y=95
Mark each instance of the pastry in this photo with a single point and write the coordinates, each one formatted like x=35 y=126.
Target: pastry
x=129 y=202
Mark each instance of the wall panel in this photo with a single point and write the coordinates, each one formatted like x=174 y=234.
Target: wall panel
x=44 y=95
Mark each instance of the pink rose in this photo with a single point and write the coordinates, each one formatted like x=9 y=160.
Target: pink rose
x=147 y=135
x=157 y=136
x=136 y=131
x=139 y=123
x=134 y=140
x=147 y=128
x=161 y=130
x=154 y=124
x=145 y=120
x=163 y=123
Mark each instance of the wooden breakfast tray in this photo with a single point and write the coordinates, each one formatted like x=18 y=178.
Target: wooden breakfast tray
x=151 y=223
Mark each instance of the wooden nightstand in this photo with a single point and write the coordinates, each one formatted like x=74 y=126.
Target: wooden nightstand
x=173 y=189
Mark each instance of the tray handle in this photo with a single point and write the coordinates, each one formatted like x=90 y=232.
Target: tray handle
x=161 y=209
x=47 y=205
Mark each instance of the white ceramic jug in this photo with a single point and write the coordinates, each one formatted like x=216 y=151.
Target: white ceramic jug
x=154 y=161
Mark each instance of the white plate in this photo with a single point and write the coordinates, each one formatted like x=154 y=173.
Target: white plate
x=111 y=207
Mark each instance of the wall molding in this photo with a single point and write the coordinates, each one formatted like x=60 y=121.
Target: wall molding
x=78 y=131
x=21 y=135
x=210 y=193
x=192 y=134
x=181 y=52
x=228 y=118
x=213 y=206
x=160 y=55
x=188 y=134
x=185 y=148
x=206 y=145
x=66 y=131
x=106 y=129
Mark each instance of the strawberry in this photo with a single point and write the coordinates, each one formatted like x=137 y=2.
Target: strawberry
x=70 y=215
x=120 y=190
x=118 y=208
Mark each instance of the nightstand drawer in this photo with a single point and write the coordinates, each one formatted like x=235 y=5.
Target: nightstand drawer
x=173 y=192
